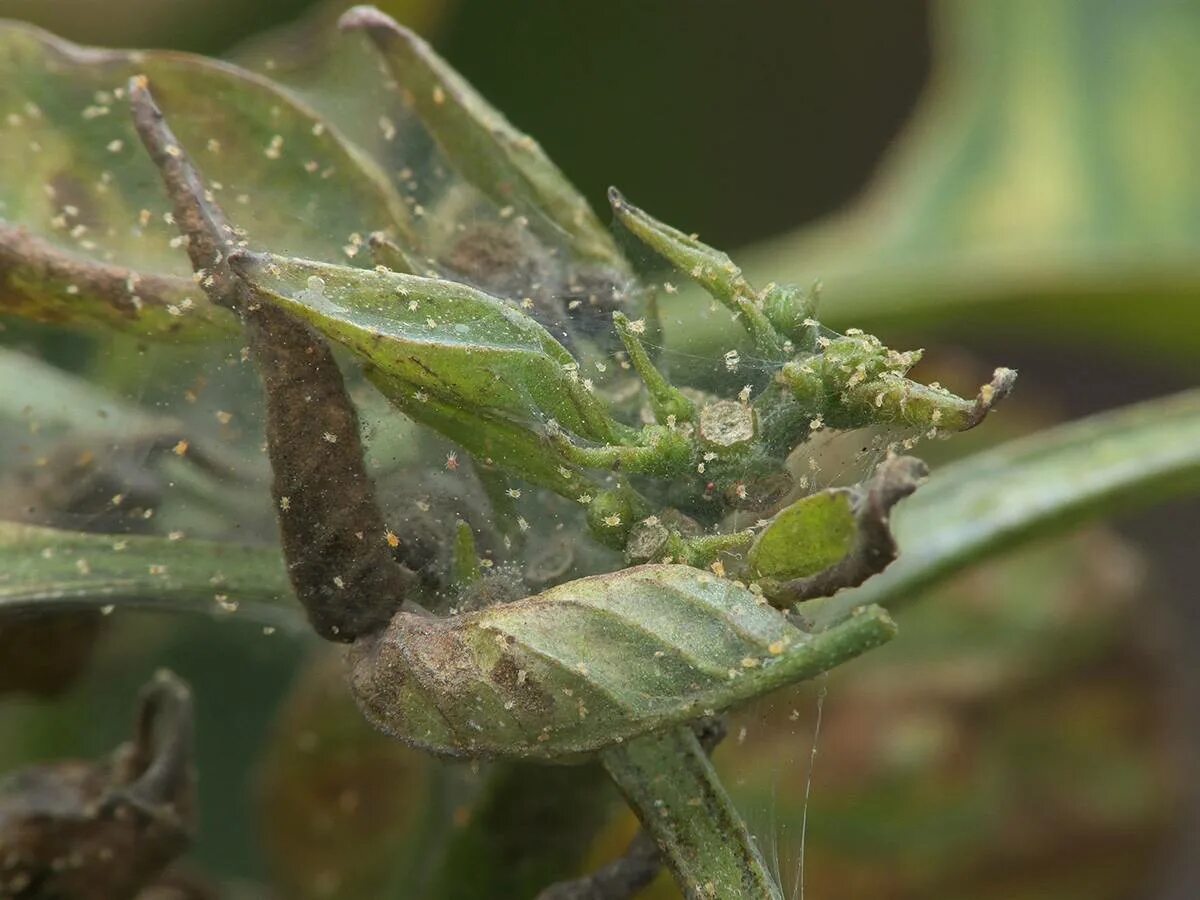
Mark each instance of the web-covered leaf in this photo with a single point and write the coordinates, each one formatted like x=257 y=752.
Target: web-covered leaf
x=86 y=234
x=593 y=662
x=47 y=569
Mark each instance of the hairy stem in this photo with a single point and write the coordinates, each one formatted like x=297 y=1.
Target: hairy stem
x=641 y=862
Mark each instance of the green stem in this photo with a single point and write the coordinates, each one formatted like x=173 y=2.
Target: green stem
x=673 y=788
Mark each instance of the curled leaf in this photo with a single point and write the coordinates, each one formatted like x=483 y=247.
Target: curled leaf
x=853 y=381
x=325 y=497
x=101 y=831
x=593 y=662
x=833 y=539
x=1035 y=486
x=709 y=267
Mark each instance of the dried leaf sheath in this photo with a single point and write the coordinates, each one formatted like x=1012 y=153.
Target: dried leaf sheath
x=330 y=524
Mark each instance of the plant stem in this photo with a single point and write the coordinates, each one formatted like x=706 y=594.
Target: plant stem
x=674 y=790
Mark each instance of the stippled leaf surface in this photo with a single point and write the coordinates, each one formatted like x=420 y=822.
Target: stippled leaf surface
x=590 y=663
x=810 y=535
x=42 y=569
x=1131 y=457
x=85 y=234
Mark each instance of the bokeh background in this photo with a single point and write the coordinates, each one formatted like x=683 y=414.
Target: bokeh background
x=1000 y=181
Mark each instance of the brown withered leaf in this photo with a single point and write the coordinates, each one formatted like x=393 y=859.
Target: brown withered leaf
x=80 y=830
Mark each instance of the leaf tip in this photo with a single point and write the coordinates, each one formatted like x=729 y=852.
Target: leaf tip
x=373 y=20
x=991 y=394
x=245 y=263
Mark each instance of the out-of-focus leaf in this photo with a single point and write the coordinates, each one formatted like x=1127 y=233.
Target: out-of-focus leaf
x=41 y=404
x=45 y=569
x=345 y=810
x=922 y=742
x=591 y=662
x=78 y=830
x=1047 y=179
x=529 y=827
x=1030 y=487
x=938 y=774
x=85 y=231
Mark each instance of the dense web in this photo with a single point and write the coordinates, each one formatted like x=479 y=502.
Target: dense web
x=166 y=436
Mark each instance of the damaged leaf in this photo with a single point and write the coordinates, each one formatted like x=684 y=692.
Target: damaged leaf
x=78 y=830
x=1028 y=488
x=598 y=660
x=834 y=539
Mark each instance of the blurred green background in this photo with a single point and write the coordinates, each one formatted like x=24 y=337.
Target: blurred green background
x=1001 y=182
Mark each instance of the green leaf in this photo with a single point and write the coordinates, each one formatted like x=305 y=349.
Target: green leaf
x=85 y=234
x=42 y=404
x=592 y=662
x=44 y=569
x=810 y=535
x=1131 y=457
x=450 y=356
x=834 y=539
x=504 y=163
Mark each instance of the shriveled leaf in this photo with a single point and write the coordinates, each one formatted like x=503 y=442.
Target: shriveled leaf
x=85 y=234
x=81 y=830
x=45 y=569
x=591 y=662
x=1034 y=486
